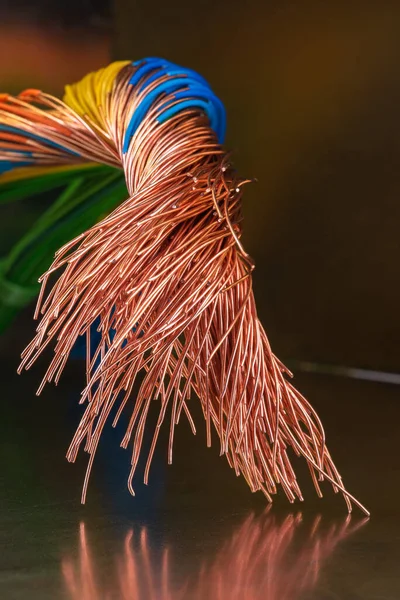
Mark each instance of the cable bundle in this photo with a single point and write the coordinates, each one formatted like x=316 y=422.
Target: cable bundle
x=165 y=274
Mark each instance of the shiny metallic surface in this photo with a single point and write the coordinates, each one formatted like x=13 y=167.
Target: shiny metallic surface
x=317 y=125
x=195 y=532
x=167 y=274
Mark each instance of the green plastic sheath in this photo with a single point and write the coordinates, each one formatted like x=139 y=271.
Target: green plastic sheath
x=89 y=194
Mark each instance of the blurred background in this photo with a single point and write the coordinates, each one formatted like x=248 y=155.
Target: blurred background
x=312 y=92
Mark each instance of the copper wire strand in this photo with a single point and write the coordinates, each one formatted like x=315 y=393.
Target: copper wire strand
x=166 y=271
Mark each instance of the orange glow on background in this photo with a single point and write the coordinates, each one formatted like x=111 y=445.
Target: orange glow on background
x=48 y=58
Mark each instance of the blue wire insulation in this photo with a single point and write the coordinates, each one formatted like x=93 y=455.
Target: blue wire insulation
x=8 y=165
x=27 y=134
x=190 y=87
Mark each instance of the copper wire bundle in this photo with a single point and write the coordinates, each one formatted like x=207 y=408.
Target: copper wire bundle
x=169 y=280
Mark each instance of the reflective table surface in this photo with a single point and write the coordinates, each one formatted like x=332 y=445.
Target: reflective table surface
x=196 y=531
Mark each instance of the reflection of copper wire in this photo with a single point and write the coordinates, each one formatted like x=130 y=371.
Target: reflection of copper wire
x=265 y=559
x=166 y=271
x=272 y=561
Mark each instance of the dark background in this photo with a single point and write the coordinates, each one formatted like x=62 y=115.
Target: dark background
x=312 y=92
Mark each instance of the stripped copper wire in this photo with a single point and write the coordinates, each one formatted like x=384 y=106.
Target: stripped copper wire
x=167 y=274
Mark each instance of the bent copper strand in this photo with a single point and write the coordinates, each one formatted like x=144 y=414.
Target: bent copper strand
x=164 y=275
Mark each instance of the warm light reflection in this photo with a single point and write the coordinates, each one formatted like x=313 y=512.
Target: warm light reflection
x=266 y=558
x=271 y=559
